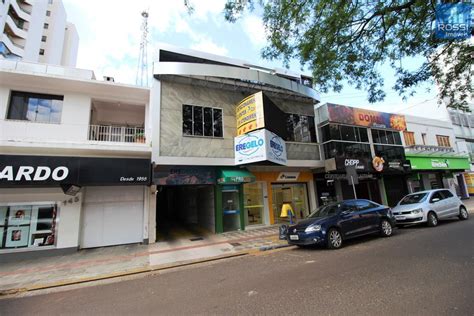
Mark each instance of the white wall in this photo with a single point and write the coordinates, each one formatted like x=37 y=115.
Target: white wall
x=431 y=128
x=35 y=31
x=69 y=213
x=73 y=127
x=70 y=46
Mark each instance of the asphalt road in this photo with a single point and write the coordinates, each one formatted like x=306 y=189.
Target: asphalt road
x=418 y=271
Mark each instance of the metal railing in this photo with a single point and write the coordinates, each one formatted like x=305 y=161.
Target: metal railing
x=118 y=134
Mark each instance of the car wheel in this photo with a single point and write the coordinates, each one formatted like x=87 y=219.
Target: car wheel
x=386 y=229
x=432 y=219
x=463 y=214
x=334 y=239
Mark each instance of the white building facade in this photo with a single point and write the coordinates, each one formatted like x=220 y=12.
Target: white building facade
x=37 y=31
x=74 y=160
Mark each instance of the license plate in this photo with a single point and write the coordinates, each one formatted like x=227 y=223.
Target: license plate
x=400 y=217
x=294 y=237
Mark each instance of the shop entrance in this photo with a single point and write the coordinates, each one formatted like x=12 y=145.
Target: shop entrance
x=395 y=188
x=184 y=212
x=366 y=189
x=294 y=193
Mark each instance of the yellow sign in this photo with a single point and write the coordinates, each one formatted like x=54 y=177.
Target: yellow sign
x=249 y=114
x=469 y=176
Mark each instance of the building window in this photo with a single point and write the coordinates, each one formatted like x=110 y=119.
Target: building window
x=409 y=138
x=50 y=1
x=46 y=26
x=344 y=132
x=27 y=226
x=43 y=39
x=381 y=136
x=48 y=13
x=300 y=128
x=423 y=138
x=443 y=141
x=346 y=150
x=35 y=107
x=202 y=121
x=41 y=52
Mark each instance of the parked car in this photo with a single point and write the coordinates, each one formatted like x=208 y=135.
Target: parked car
x=429 y=207
x=332 y=224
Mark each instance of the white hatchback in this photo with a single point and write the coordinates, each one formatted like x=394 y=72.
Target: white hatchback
x=429 y=207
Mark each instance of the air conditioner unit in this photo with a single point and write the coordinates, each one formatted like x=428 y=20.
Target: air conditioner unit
x=107 y=78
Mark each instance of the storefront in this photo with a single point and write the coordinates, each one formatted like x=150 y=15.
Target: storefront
x=52 y=202
x=364 y=155
x=434 y=172
x=273 y=189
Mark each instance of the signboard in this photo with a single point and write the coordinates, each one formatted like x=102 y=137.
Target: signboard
x=52 y=170
x=360 y=164
x=249 y=114
x=288 y=176
x=439 y=163
x=184 y=175
x=355 y=116
x=261 y=145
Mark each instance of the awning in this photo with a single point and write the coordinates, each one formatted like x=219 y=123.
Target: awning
x=234 y=175
x=421 y=162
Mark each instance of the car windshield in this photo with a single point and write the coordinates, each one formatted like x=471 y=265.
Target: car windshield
x=326 y=210
x=413 y=198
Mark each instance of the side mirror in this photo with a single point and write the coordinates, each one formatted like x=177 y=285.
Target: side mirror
x=435 y=200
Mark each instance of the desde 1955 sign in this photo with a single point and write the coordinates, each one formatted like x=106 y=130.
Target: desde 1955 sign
x=261 y=145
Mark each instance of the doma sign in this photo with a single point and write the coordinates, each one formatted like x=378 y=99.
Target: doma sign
x=261 y=145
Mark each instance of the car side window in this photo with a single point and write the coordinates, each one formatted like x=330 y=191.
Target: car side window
x=436 y=195
x=348 y=207
x=447 y=194
x=364 y=205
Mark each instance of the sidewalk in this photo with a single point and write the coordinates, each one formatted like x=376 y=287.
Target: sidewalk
x=101 y=263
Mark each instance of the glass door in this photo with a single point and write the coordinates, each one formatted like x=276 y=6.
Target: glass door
x=253 y=203
x=231 y=208
x=293 y=193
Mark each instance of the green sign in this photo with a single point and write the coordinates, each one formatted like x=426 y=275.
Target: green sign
x=438 y=163
x=234 y=175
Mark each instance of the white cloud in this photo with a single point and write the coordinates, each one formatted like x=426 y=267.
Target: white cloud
x=208 y=46
x=254 y=29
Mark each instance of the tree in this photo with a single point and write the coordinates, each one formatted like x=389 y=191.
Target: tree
x=349 y=40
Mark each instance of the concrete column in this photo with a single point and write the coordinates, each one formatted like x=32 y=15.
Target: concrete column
x=151 y=214
x=383 y=193
x=338 y=187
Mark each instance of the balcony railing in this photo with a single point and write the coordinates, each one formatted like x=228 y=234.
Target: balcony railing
x=118 y=134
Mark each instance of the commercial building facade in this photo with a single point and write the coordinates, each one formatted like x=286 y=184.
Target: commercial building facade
x=37 y=31
x=74 y=162
x=195 y=142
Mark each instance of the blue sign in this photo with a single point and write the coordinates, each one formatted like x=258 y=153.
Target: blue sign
x=249 y=145
x=276 y=146
x=453 y=20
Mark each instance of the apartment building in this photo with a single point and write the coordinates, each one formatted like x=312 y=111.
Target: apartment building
x=37 y=31
x=74 y=159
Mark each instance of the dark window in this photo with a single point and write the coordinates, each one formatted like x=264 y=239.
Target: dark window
x=46 y=26
x=48 y=13
x=389 y=153
x=348 y=150
x=217 y=122
x=187 y=120
x=348 y=133
x=300 y=128
x=208 y=128
x=202 y=121
x=380 y=136
x=41 y=52
x=363 y=137
x=43 y=38
x=35 y=107
x=397 y=139
x=390 y=139
x=436 y=195
x=197 y=121
x=446 y=194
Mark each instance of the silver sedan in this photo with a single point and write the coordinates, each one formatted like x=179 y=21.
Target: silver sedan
x=429 y=207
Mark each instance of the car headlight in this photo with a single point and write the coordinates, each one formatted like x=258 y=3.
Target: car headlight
x=417 y=211
x=312 y=228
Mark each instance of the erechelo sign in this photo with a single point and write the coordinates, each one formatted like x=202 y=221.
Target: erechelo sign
x=261 y=145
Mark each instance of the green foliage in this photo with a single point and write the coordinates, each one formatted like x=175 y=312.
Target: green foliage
x=349 y=40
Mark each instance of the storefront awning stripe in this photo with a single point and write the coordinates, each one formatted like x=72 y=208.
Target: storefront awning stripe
x=234 y=175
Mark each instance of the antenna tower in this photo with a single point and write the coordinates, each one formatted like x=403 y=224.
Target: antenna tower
x=142 y=69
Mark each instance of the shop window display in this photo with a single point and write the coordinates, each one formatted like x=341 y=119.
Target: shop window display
x=24 y=226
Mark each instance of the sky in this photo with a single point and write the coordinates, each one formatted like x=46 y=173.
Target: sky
x=110 y=32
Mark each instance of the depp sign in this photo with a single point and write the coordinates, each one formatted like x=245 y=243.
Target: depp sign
x=51 y=170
